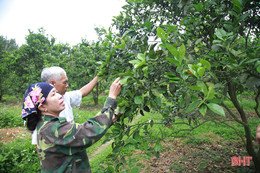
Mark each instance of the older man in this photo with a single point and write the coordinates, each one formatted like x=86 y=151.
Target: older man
x=58 y=78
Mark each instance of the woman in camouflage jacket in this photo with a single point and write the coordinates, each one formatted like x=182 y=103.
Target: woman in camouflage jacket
x=61 y=144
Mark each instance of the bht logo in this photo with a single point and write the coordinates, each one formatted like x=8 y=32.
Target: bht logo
x=237 y=161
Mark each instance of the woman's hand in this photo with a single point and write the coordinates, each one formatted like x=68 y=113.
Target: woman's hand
x=116 y=116
x=115 y=89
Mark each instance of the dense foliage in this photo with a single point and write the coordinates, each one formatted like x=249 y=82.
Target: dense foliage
x=183 y=59
x=186 y=59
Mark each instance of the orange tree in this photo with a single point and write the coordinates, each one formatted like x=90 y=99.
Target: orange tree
x=185 y=59
x=31 y=58
x=84 y=59
x=7 y=49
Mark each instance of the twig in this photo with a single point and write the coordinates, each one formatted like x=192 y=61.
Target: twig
x=191 y=129
x=244 y=142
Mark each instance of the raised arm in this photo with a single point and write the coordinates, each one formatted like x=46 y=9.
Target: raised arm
x=85 y=90
x=76 y=135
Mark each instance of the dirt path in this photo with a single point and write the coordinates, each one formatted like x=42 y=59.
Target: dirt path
x=101 y=148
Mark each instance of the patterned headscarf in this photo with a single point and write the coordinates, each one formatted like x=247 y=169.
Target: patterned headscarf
x=34 y=96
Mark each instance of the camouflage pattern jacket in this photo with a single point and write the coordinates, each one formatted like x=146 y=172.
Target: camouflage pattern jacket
x=62 y=145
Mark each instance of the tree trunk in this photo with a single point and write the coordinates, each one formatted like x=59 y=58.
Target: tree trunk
x=249 y=144
x=95 y=95
x=1 y=93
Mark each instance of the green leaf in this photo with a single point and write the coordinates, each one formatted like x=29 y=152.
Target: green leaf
x=172 y=77
x=201 y=71
x=197 y=88
x=161 y=33
x=205 y=63
x=134 y=62
x=198 y=41
x=145 y=70
x=192 y=106
x=211 y=92
x=203 y=87
x=122 y=46
x=220 y=33
x=216 y=108
x=237 y=5
x=138 y=100
x=141 y=56
x=203 y=109
x=124 y=80
x=148 y=25
x=234 y=52
x=173 y=50
x=155 y=92
x=140 y=64
x=258 y=69
x=137 y=63
x=108 y=58
x=122 y=109
x=181 y=53
x=173 y=61
x=193 y=69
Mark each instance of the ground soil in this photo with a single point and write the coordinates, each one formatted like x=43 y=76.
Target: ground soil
x=180 y=157
x=8 y=134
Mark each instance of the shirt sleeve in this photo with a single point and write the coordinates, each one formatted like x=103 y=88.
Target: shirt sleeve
x=34 y=137
x=75 y=97
x=82 y=135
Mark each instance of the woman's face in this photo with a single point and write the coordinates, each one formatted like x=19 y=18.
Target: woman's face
x=54 y=103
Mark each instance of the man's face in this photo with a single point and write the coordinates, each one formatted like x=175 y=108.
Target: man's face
x=62 y=84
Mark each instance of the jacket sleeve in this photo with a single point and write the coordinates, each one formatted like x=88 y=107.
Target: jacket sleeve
x=82 y=135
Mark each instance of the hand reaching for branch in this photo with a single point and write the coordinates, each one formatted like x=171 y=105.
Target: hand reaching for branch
x=115 y=89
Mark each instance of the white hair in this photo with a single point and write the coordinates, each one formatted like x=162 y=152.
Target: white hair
x=52 y=73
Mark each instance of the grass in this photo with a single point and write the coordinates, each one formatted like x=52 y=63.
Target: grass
x=19 y=156
x=246 y=101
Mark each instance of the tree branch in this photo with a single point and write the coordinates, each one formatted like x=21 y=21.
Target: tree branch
x=233 y=115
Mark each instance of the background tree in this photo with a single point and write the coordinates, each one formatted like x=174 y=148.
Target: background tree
x=7 y=49
x=32 y=57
